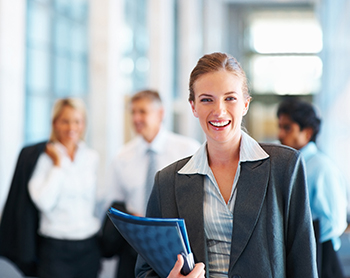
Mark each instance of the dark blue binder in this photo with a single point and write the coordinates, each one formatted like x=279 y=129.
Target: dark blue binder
x=157 y=240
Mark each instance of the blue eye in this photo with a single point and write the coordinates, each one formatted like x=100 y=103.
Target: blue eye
x=205 y=100
x=230 y=98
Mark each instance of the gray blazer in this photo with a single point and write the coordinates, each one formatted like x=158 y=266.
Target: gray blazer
x=272 y=227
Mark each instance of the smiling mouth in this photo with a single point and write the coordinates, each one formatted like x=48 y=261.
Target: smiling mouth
x=220 y=124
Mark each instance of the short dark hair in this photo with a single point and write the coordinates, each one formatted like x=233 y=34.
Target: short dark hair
x=302 y=113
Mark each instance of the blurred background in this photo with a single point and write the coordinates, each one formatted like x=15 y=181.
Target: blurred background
x=105 y=50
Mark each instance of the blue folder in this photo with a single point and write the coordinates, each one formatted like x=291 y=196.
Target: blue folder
x=157 y=240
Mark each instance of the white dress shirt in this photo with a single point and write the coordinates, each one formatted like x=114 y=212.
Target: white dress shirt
x=66 y=195
x=127 y=176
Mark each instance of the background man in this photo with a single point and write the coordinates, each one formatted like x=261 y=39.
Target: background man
x=298 y=128
x=132 y=171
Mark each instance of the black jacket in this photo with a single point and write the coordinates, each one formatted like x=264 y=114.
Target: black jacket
x=19 y=223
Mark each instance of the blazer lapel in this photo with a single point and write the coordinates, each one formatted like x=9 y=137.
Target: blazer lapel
x=189 y=197
x=251 y=191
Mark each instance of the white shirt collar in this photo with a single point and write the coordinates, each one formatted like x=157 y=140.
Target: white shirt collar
x=63 y=149
x=250 y=151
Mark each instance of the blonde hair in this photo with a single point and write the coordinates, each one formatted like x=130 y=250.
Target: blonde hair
x=75 y=103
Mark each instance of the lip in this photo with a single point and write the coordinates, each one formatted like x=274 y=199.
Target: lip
x=72 y=133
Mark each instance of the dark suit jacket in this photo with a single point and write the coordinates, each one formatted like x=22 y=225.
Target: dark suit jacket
x=272 y=227
x=19 y=224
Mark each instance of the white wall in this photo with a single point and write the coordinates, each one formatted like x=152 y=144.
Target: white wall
x=12 y=90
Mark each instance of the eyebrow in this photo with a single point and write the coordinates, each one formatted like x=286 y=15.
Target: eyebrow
x=231 y=93
x=210 y=95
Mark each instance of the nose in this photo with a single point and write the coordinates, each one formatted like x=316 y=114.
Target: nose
x=219 y=108
x=71 y=125
x=136 y=117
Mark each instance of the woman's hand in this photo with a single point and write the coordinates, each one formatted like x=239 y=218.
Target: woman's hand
x=53 y=153
x=197 y=272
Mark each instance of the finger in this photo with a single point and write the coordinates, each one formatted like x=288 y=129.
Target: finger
x=50 y=147
x=179 y=263
x=177 y=267
x=198 y=271
x=53 y=153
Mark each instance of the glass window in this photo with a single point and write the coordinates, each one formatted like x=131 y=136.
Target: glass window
x=283 y=53
x=286 y=35
x=61 y=76
x=38 y=71
x=284 y=75
x=134 y=64
x=38 y=24
x=40 y=126
x=56 y=55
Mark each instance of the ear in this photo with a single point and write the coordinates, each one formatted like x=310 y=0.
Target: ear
x=193 y=108
x=246 y=106
x=308 y=133
x=161 y=113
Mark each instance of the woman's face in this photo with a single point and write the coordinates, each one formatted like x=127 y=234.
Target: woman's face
x=220 y=105
x=69 y=126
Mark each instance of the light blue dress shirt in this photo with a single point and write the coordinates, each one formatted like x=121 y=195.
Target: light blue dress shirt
x=218 y=216
x=327 y=194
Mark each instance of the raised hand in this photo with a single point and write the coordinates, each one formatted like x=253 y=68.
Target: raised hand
x=53 y=153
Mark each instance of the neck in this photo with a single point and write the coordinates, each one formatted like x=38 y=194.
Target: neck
x=224 y=153
x=150 y=137
x=71 y=148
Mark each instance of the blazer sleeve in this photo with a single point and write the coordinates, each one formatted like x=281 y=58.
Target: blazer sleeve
x=300 y=238
x=21 y=215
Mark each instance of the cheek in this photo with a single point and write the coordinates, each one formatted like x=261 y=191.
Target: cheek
x=59 y=128
x=82 y=128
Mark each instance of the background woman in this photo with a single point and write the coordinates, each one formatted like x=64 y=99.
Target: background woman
x=63 y=187
x=49 y=218
x=245 y=204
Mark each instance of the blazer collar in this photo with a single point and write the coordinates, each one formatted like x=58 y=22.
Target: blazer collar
x=251 y=192
x=189 y=197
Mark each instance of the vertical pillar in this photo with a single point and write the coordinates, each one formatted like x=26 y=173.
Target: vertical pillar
x=161 y=31
x=12 y=90
x=106 y=96
x=334 y=98
x=190 y=50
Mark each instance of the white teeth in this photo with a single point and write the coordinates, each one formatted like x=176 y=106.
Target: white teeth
x=219 y=124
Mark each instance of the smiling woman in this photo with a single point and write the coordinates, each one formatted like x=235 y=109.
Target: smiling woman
x=68 y=126
x=245 y=204
x=63 y=188
x=52 y=202
x=220 y=105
